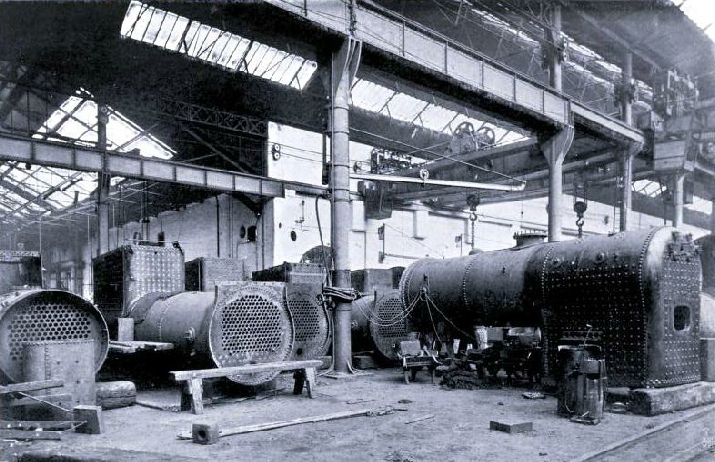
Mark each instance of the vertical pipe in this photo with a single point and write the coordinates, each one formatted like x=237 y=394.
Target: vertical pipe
x=678 y=199
x=340 y=201
x=103 y=187
x=712 y=217
x=554 y=36
x=555 y=149
x=218 y=229
x=626 y=78
x=556 y=189
x=627 y=195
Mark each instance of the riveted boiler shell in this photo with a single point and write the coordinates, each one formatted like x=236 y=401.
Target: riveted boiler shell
x=46 y=315
x=634 y=287
x=311 y=321
x=487 y=289
x=251 y=324
x=638 y=289
x=179 y=318
x=379 y=322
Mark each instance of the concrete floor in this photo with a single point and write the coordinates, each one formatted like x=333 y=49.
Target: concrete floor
x=457 y=431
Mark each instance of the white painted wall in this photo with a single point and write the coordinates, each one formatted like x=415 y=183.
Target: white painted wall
x=413 y=234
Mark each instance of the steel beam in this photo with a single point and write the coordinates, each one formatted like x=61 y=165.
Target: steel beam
x=417 y=45
x=457 y=184
x=605 y=125
x=52 y=154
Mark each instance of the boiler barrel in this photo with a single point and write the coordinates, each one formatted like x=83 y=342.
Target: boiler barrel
x=487 y=288
x=180 y=318
x=379 y=322
x=246 y=324
x=46 y=315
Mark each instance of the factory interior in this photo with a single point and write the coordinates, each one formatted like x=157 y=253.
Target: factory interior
x=389 y=230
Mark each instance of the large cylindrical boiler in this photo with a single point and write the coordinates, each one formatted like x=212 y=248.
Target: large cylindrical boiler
x=243 y=325
x=379 y=321
x=46 y=316
x=487 y=288
x=638 y=290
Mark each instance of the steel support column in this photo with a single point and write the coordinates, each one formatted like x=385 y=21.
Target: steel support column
x=344 y=64
x=555 y=149
x=627 y=193
x=712 y=217
x=678 y=198
x=103 y=180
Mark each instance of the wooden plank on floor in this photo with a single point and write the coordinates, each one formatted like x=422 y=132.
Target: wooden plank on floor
x=30 y=435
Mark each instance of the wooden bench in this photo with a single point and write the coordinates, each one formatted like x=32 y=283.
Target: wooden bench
x=192 y=391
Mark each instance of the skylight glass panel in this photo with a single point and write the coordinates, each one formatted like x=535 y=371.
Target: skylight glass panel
x=701 y=12
x=306 y=71
x=436 y=117
x=19 y=175
x=215 y=46
x=370 y=96
x=80 y=125
x=648 y=187
x=405 y=107
x=700 y=205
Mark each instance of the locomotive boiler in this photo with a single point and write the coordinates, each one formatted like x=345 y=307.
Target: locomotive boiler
x=378 y=320
x=233 y=327
x=638 y=292
x=47 y=316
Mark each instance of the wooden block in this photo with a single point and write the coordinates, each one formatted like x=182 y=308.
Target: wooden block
x=521 y=427
x=299 y=377
x=204 y=433
x=92 y=416
x=363 y=362
x=125 y=332
x=196 y=390
x=310 y=379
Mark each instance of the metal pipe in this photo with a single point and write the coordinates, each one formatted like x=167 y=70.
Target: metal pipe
x=626 y=78
x=678 y=199
x=554 y=36
x=555 y=149
x=103 y=180
x=340 y=199
x=456 y=184
x=218 y=229
x=627 y=194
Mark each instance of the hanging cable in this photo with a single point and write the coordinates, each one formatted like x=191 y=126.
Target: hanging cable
x=324 y=257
